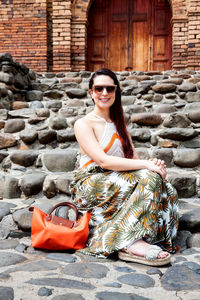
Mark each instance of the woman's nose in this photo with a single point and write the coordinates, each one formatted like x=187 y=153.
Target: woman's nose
x=104 y=91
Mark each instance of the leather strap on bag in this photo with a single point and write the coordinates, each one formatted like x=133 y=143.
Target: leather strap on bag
x=61 y=221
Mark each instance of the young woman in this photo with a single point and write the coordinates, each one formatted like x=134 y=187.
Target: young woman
x=132 y=206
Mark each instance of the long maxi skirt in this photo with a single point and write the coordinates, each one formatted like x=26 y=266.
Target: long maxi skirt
x=125 y=206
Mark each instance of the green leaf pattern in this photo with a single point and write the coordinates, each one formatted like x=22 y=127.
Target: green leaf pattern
x=126 y=206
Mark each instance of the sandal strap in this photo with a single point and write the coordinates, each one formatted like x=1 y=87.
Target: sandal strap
x=153 y=252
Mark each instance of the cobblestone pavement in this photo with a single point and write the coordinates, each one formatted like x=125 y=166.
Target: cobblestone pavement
x=29 y=274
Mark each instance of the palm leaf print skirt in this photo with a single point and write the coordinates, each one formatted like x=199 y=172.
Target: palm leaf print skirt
x=125 y=206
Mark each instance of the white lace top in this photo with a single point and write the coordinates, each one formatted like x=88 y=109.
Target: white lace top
x=109 y=141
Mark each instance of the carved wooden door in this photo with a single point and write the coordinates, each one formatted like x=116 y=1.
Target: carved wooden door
x=129 y=35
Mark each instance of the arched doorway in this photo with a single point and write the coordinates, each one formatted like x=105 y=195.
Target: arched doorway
x=129 y=35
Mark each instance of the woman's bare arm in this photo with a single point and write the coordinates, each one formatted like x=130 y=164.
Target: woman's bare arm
x=89 y=144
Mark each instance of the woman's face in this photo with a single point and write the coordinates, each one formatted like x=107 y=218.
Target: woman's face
x=103 y=91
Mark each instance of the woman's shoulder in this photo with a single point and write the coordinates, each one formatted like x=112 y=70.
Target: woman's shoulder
x=85 y=121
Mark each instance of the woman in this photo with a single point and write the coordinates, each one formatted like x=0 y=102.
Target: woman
x=132 y=205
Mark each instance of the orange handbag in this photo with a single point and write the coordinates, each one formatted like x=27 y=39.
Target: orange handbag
x=56 y=233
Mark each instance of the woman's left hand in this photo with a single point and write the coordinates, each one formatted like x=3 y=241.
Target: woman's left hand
x=158 y=162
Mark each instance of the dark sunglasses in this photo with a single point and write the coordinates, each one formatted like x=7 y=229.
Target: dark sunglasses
x=100 y=88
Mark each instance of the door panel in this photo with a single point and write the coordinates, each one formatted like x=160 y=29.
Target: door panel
x=129 y=35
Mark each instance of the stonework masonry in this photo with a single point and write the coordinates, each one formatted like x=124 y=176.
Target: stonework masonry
x=51 y=35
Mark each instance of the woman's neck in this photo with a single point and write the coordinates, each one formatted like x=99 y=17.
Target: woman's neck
x=105 y=114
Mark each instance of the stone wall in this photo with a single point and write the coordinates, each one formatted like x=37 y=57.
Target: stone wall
x=52 y=35
x=38 y=149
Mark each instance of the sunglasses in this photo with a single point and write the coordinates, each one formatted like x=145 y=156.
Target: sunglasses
x=109 y=88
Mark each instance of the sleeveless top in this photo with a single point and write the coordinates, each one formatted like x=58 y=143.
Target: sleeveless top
x=110 y=142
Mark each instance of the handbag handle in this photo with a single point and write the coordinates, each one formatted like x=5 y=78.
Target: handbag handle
x=69 y=204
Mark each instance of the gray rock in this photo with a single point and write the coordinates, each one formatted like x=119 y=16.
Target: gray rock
x=127 y=83
x=49 y=187
x=187 y=158
x=76 y=93
x=3 y=114
x=5 y=209
x=57 y=123
x=141 y=89
x=31 y=184
x=163 y=88
x=8 y=244
x=62 y=283
x=37 y=265
x=192 y=107
x=179 y=278
x=146 y=119
x=176 y=81
x=11 y=188
x=34 y=95
x=46 y=136
x=182 y=240
x=157 y=97
x=170 y=96
x=187 y=87
x=22 y=113
x=164 y=154
x=190 y=220
x=118 y=296
x=68 y=112
x=193 y=143
x=54 y=105
x=141 y=135
x=60 y=160
x=66 y=136
x=124 y=269
x=142 y=153
x=24 y=158
x=3 y=154
x=6 y=78
x=63 y=183
x=179 y=134
x=23 y=218
x=137 y=280
x=127 y=90
x=14 y=125
x=193 y=97
x=54 y=94
x=6 y=293
x=165 y=108
x=36 y=105
x=43 y=291
x=154 y=272
x=43 y=112
x=128 y=100
x=9 y=258
x=193 y=240
x=85 y=270
x=185 y=185
x=75 y=103
x=70 y=296
x=65 y=257
x=28 y=135
x=176 y=120
x=132 y=109
x=194 y=116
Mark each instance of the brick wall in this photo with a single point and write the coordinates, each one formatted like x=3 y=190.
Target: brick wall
x=51 y=35
x=23 y=31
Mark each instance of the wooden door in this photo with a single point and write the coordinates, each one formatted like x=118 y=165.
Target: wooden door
x=129 y=35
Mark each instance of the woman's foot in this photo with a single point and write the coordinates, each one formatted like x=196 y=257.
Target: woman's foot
x=140 y=248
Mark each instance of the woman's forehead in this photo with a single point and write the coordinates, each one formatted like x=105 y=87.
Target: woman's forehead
x=103 y=80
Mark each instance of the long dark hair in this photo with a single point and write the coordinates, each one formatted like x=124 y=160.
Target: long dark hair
x=116 y=111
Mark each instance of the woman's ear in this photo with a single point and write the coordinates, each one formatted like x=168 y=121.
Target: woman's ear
x=91 y=92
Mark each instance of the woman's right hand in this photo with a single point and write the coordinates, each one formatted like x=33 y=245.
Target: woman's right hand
x=158 y=168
